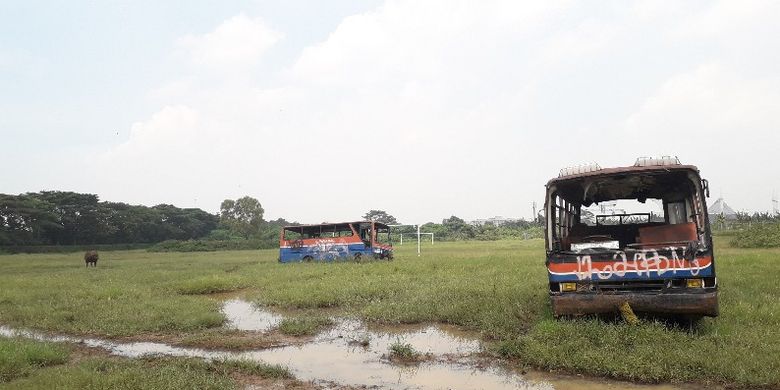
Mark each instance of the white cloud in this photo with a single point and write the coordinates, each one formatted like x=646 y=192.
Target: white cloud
x=429 y=109
x=239 y=41
x=732 y=19
x=709 y=100
x=720 y=120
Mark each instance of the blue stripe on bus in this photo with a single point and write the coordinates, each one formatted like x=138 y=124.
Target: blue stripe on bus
x=326 y=253
x=645 y=275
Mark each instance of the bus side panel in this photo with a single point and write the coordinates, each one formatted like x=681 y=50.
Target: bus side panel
x=629 y=269
x=321 y=249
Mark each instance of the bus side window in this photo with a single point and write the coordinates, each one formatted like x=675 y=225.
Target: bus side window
x=365 y=235
x=676 y=212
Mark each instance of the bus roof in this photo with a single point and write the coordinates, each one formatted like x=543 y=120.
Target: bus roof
x=621 y=171
x=378 y=224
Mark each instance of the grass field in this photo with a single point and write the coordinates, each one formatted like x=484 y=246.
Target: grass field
x=496 y=288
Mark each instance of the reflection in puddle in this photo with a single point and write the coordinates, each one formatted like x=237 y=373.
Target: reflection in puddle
x=243 y=315
x=334 y=356
x=426 y=340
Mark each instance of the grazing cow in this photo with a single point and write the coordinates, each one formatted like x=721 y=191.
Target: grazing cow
x=91 y=257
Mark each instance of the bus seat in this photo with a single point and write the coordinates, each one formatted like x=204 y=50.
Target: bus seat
x=668 y=233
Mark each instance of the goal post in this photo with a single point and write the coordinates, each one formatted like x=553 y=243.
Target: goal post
x=418 y=234
x=401 y=235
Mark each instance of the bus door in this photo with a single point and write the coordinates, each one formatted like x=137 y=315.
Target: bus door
x=295 y=238
x=366 y=234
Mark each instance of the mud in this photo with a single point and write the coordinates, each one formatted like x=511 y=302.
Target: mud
x=352 y=354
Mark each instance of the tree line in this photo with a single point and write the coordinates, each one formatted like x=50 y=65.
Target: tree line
x=456 y=229
x=69 y=218
x=61 y=218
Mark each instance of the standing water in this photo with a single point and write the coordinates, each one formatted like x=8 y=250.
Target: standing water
x=352 y=354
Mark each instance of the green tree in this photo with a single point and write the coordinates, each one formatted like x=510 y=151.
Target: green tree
x=243 y=216
x=380 y=216
x=26 y=220
x=457 y=228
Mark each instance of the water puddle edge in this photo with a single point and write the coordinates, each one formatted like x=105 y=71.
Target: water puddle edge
x=350 y=353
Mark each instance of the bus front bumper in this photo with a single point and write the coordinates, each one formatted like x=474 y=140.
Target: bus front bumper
x=699 y=303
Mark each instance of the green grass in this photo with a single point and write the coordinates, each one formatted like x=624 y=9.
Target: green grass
x=26 y=364
x=496 y=288
x=20 y=357
x=402 y=352
x=249 y=367
x=109 y=373
x=208 y=284
x=101 y=373
x=304 y=326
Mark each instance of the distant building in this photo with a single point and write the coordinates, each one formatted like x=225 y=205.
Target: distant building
x=721 y=208
x=495 y=221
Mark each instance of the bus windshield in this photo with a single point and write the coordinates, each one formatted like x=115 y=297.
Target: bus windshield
x=626 y=211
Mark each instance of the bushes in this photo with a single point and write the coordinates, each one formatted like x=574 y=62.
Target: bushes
x=211 y=245
x=758 y=236
x=70 y=248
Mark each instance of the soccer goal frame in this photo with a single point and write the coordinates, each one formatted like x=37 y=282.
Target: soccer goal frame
x=418 y=234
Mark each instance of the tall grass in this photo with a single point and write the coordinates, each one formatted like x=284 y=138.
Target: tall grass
x=20 y=357
x=496 y=288
x=304 y=326
x=102 y=373
x=26 y=364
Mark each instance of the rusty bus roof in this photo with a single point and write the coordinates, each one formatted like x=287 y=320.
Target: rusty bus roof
x=380 y=224
x=623 y=170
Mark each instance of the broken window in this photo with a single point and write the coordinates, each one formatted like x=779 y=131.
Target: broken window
x=623 y=210
x=676 y=213
x=318 y=231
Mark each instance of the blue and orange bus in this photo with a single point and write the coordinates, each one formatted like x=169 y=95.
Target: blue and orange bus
x=637 y=234
x=335 y=241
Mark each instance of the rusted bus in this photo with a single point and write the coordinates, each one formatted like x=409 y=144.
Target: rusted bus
x=637 y=234
x=335 y=241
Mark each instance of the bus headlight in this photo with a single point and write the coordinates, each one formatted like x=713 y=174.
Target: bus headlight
x=568 y=286
x=694 y=283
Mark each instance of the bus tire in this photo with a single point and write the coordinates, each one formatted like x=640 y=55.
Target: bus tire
x=358 y=256
x=307 y=259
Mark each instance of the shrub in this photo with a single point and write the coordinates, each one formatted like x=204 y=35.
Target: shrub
x=211 y=245
x=758 y=236
x=403 y=352
x=70 y=248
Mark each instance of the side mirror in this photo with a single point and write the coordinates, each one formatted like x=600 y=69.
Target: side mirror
x=705 y=185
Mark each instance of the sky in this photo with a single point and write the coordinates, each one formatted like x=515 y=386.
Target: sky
x=425 y=109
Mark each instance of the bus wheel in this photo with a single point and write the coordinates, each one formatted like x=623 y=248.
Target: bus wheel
x=358 y=256
x=307 y=259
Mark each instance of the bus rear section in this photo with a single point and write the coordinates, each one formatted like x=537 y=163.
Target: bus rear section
x=637 y=234
x=335 y=241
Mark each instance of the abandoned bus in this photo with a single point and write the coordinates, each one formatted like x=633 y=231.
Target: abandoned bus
x=335 y=241
x=637 y=234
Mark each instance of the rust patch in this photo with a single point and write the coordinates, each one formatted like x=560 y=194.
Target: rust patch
x=705 y=304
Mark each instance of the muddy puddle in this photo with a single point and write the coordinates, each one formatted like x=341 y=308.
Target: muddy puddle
x=350 y=353
x=243 y=315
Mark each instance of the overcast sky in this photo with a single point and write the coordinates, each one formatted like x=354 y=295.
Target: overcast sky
x=426 y=109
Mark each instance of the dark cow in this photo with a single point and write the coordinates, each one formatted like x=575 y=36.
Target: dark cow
x=91 y=257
